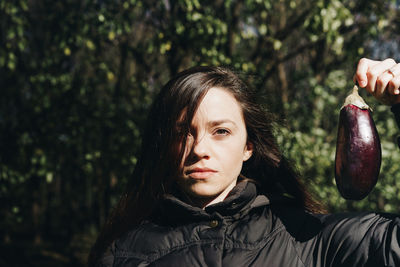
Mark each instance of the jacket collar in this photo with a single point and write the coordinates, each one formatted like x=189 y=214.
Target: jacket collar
x=242 y=198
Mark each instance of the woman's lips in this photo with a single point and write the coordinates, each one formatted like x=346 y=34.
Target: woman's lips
x=200 y=173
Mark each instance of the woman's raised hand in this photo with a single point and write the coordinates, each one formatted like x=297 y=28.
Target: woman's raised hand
x=380 y=78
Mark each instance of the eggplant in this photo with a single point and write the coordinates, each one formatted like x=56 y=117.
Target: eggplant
x=358 y=149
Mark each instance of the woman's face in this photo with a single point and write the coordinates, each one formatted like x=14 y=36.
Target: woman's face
x=215 y=150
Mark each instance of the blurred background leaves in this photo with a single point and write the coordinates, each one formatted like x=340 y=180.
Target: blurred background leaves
x=77 y=79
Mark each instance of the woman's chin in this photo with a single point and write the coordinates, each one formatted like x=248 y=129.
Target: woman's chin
x=204 y=194
x=203 y=191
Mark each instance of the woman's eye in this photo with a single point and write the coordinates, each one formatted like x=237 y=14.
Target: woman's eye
x=222 y=132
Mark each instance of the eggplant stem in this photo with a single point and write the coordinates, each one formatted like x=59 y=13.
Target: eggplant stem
x=355 y=99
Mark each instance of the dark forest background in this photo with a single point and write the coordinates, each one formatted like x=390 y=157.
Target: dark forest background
x=77 y=78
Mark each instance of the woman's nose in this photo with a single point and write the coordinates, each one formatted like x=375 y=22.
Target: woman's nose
x=201 y=147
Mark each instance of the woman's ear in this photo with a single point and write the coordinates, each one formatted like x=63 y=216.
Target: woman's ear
x=248 y=151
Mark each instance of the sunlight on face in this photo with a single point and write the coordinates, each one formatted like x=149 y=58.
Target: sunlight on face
x=215 y=150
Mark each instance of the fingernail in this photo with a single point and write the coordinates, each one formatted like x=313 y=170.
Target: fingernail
x=363 y=83
x=396 y=92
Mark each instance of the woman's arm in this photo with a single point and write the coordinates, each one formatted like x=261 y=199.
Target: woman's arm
x=358 y=239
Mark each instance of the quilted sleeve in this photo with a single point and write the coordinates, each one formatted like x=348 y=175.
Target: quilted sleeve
x=363 y=239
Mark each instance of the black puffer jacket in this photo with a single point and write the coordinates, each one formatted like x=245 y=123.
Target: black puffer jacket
x=248 y=230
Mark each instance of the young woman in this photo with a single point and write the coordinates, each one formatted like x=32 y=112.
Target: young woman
x=211 y=187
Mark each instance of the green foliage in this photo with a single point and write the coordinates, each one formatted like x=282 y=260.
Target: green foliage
x=78 y=77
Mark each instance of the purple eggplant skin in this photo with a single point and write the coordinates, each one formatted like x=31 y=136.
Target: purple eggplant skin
x=358 y=153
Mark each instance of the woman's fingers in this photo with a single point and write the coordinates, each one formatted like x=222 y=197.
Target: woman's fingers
x=380 y=78
x=394 y=83
x=377 y=76
x=384 y=80
x=363 y=66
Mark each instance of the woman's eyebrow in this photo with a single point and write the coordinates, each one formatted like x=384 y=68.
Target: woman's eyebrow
x=182 y=125
x=219 y=122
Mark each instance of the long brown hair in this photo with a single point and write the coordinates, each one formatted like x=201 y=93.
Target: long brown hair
x=159 y=161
